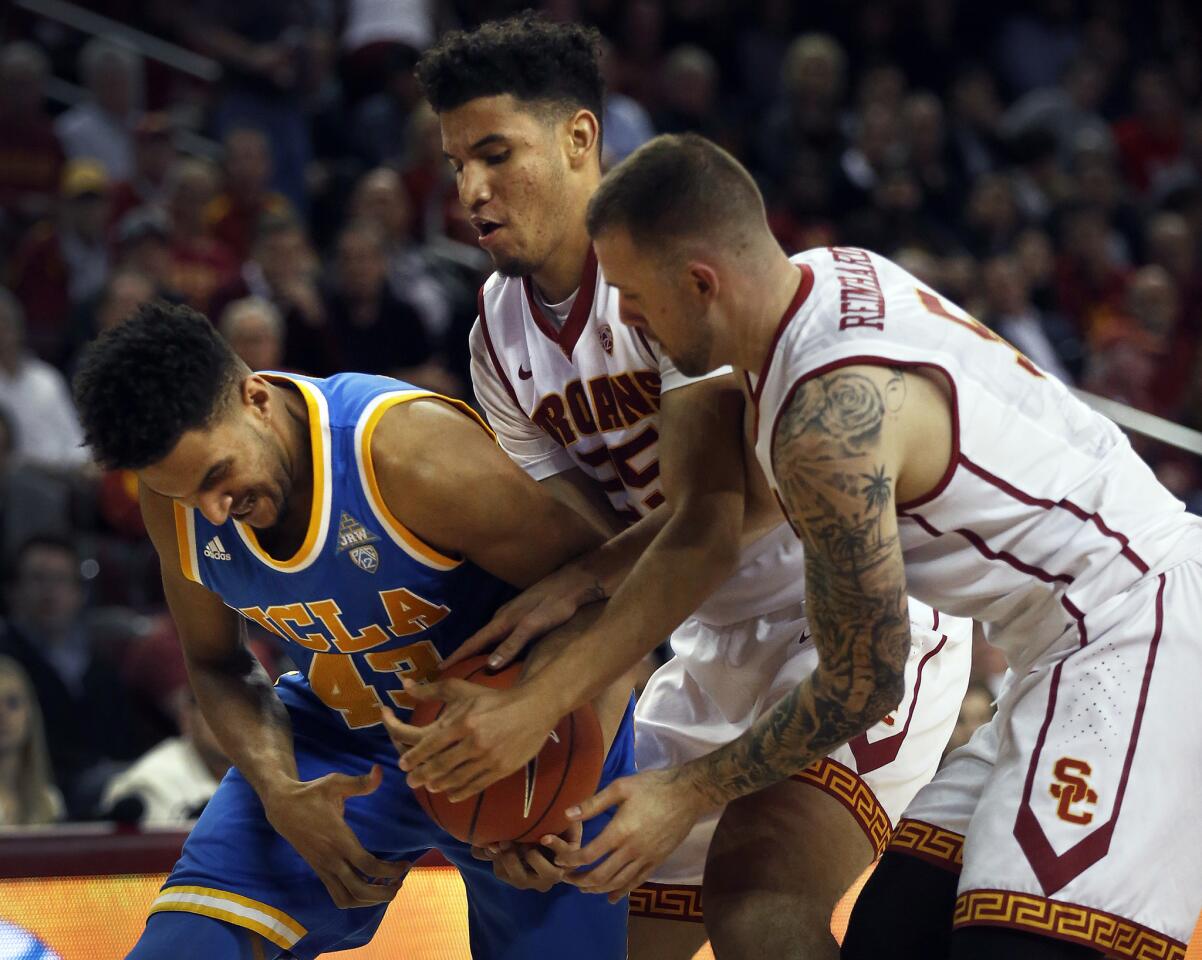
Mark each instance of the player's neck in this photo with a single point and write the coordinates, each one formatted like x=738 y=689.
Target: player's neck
x=293 y=427
x=559 y=276
x=768 y=295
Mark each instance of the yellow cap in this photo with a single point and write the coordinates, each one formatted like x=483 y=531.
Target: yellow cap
x=81 y=176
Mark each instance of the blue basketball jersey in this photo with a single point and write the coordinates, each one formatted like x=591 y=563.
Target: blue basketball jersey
x=363 y=602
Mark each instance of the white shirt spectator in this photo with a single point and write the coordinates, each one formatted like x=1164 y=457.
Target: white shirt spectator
x=171 y=780
x=47 y=429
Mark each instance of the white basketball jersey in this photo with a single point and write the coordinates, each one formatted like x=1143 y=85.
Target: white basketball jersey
x=589 y=389
x=1045 y=511
x=587 y=395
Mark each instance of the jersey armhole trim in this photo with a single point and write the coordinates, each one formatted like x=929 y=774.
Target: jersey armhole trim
x=953 y=462
x=185 y=541
x=401 y=535
x=492 y=353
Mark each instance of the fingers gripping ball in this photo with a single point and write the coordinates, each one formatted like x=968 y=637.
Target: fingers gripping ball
x=530 y=803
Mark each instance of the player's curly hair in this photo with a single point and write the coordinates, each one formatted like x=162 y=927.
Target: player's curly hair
x=145 y=383
x=527 y=56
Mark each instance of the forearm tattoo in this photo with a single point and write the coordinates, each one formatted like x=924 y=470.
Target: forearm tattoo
x=839 y=497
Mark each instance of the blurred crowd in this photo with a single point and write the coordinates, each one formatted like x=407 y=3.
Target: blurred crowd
x=1038 y=163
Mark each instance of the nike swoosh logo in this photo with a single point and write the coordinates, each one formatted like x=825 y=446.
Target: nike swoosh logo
x=524 y=373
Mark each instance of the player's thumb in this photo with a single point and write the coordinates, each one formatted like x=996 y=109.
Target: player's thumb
x=361 y=785
x=595 y=804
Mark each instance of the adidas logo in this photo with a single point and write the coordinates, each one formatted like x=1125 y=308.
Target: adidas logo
x=215 y=550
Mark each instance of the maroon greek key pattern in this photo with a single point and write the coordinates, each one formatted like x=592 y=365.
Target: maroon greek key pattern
x=666 y=902
x=845 y=786
x=935 y=845
x=1112 y=935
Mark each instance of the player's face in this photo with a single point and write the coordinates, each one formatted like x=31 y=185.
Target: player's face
x=232 y=468
x=666 y=307
x=511 y=171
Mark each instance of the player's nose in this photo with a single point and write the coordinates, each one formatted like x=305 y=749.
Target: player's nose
x=215 y=507
x=474 y=189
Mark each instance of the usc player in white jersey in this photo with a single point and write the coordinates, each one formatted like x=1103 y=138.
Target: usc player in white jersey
x=916 y=451
x=596 y=411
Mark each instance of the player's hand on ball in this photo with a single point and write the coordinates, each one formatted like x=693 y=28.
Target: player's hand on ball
x=527 y=866
x=655 y=812
x=481 y=736
x=537 y=610
x=309 y=815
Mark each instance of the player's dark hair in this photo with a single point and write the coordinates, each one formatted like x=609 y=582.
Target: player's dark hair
x=529 y=57
x=145 y=383
x=675 y=187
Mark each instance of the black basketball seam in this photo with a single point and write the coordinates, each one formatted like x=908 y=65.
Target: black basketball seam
x=563 y=777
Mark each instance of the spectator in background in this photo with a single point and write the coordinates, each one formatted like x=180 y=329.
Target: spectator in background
x=380 y=197
x=47 y=429
x=27 y=792
x=62 y=263
x=430 y=183
x=127 y=289
x=235 y=213
x=255 y=330
x=142 y=243
x=200 y=263
x=688 y=100
x=990 y=221
x=1150 y=139
x=379 y=122
x=976 y=112
x=1091 y=280
x=272 y=53
x=154 y=154
x=1070 y=110
x=172 y=783
x=31 y=501
x=31 y=157
x=284 y=270
x=1012 y=314
x=809 y=113
x=79 y=689
x=374 y=331
x=936 y=166
x=102 y=127
x=626 y=122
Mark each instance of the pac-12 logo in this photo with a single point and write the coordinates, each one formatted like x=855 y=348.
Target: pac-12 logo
x=606 y=336
x=1070 y=788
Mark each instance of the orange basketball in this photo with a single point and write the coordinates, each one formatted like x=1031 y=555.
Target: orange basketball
x=530 y=803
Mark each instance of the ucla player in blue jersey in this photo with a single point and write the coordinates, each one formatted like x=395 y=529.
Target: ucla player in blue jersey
x=371 y=526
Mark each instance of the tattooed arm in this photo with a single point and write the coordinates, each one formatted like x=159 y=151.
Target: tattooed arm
x=835 y=455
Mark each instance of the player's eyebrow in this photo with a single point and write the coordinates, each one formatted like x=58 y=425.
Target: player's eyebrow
x=488 y=141
x=485 y=141
x=211 y=476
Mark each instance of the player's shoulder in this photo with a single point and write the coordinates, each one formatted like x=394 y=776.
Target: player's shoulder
x=412 y=436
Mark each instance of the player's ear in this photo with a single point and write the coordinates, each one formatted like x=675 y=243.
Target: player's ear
x=703 y=280
x=254 y=393
x=583 y=131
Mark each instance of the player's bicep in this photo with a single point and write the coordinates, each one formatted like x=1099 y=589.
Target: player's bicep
x=701 y=443
x=450 y=484
x=835 y=457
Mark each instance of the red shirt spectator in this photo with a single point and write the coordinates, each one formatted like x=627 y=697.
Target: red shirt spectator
x=234 y=215
x=1150 y=140
x=200 y=264
x=31 y=157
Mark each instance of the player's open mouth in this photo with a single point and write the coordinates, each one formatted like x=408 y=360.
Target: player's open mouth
x=485 y=229
x=244 y=508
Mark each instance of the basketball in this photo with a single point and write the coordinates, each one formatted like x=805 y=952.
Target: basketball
x=529 y=803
